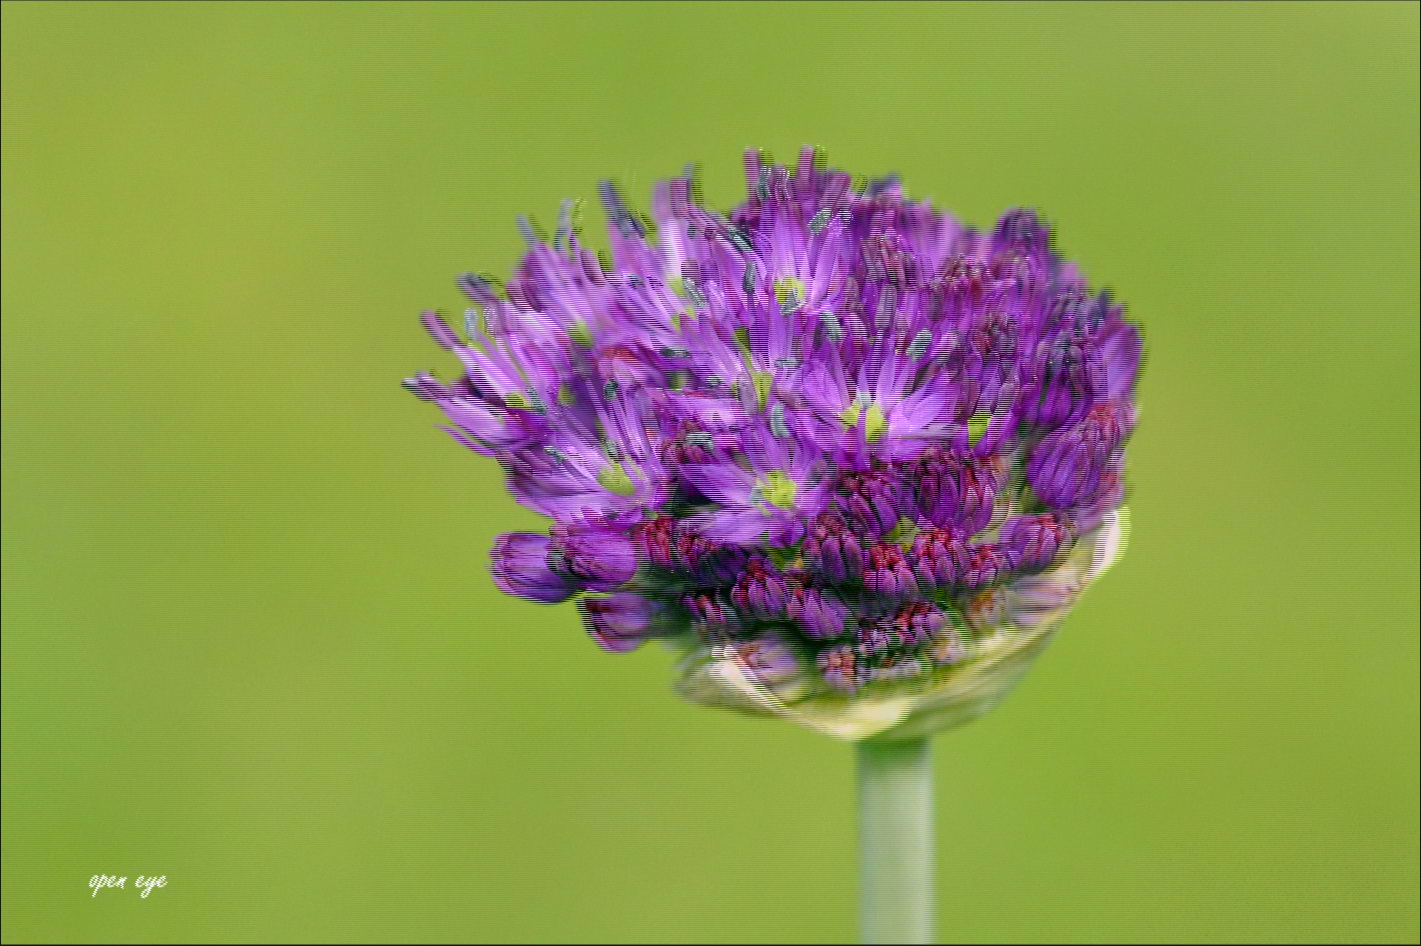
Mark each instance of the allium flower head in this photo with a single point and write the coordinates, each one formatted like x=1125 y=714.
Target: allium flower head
x=856 y=458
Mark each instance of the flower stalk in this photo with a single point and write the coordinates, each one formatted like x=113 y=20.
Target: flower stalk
x=895 y=840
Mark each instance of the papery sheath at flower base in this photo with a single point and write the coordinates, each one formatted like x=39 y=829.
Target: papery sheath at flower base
x=854 y=458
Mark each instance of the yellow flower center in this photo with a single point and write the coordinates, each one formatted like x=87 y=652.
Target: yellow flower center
x=983 y=424
x=787 y=492
x=626 y=477
x=801 y=288
x=874 y=418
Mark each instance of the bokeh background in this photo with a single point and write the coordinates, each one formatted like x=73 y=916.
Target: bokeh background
x=250 y=639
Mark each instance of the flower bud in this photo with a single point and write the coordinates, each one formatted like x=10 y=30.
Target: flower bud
x=520 y=563
x=623 y=621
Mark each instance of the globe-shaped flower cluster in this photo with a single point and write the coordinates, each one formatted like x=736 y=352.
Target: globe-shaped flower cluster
x=855 y=458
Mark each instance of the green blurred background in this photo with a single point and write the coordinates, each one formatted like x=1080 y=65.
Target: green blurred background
x=250 y=638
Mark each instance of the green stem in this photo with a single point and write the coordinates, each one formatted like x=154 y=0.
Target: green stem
x=895 y=789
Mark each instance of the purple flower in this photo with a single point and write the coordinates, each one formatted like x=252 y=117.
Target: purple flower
x=521 y=566
x=834 y=437
x=601 y=556
x=623 y=621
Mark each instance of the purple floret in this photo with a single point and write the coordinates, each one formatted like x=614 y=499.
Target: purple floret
x=826 y=430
